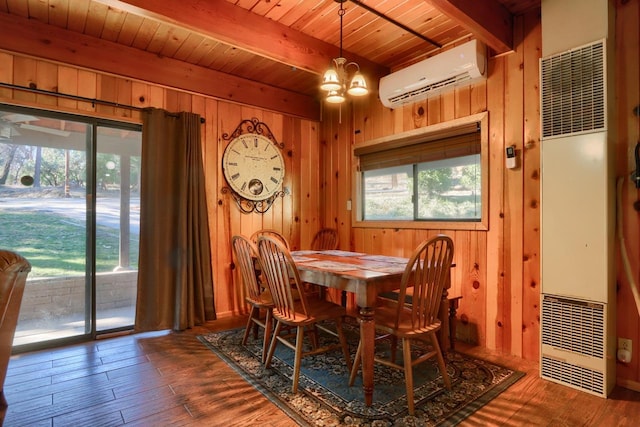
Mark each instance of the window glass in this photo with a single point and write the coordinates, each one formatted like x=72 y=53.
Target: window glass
x=449 y=189
x=388 y=193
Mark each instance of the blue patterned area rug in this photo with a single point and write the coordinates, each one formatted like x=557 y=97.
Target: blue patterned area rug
x=324 y=397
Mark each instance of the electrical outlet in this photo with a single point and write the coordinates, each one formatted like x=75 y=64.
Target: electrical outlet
x=624 y=344
x=624 y=350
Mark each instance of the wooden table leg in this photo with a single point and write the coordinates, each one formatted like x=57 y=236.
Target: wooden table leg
x=367 y=335
x=443 y=315
x=453 y=308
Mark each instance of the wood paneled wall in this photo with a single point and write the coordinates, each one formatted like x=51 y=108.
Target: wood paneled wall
x=497 y=271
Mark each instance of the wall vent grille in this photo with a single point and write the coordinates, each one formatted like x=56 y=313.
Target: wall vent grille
x=575 y=326
x=570 y=374
x=573 y=91
x=574 y=343
x=432 y=87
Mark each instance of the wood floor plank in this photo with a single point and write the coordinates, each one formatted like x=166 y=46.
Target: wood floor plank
x=18 y=391
x=154 y=400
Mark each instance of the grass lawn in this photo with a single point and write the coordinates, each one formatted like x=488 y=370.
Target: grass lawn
x=55 y=245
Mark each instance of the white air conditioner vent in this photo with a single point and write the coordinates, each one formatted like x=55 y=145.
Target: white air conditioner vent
x=573 y=344
x=573 y=91
x=571 y=374
x=574 y=326
x=461 y=65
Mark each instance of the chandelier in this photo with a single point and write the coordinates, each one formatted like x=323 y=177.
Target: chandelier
x=335 y=79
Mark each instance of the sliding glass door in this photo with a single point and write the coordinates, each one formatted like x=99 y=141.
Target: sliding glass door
x=117 y=215
x=68 y=203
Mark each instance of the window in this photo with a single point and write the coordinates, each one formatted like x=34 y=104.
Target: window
x=424 y=178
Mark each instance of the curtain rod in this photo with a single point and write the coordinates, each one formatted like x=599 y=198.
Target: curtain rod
x=93 y=101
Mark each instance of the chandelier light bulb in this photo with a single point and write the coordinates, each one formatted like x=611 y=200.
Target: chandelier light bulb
x=358 y=86
x=330 y=80
x=335 y=97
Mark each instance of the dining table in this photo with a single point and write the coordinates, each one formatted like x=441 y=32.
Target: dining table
x=366 y=276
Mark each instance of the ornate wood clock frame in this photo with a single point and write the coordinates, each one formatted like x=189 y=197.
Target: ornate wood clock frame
x=248 y=192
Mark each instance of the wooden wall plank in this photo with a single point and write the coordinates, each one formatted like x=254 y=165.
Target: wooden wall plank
x=290 y=202
x=496 y=237
x=6 y=74
x=88 y=87
x=513 y=133
x=530 y=164
x=47 y=79
x=227 y=219
x=24 y=74
x=124 y=97
x=67 y=83
x=310 y=184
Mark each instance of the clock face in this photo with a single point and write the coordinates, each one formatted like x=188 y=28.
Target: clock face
x=253 y=166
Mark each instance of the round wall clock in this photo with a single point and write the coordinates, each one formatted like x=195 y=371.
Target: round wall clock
x=253 y=166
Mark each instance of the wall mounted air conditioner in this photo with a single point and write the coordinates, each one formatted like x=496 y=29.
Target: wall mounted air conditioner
x=461 y=65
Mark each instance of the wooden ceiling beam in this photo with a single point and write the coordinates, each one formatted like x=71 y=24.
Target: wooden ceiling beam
x=488 y=20
x=239 y=27
x=32 y=38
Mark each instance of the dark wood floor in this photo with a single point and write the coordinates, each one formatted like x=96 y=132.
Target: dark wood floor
x=162 y=379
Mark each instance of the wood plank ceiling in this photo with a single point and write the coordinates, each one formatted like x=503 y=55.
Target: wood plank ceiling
x=284 y=45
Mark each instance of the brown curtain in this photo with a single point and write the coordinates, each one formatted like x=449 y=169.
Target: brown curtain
x=175 y=281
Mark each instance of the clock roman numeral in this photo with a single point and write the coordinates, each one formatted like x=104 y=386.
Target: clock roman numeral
x=244 y=143
x=277 y=169
x=274 y=157
x=235 y=176
x=244 y=186
x=233 y=163
x=255 y=142
x=275 y=181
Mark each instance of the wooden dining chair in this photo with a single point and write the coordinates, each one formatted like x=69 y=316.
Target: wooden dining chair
x=258 y=299
x=302 y=314
x=325 y=239
x=270 y=233
x=426 y=273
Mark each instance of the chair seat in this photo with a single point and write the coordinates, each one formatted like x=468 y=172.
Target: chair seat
x=264 y=300
x=318 y=311
x=385 y=319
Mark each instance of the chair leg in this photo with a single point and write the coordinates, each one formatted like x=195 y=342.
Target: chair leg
x=298 y=358
x=343 y=343
x=356 y=364
x=267 y=335
x=441 y=364
x=394 y=348
x=249 y=324
x=274 y=341
x=408 y=373
x=313 y=335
